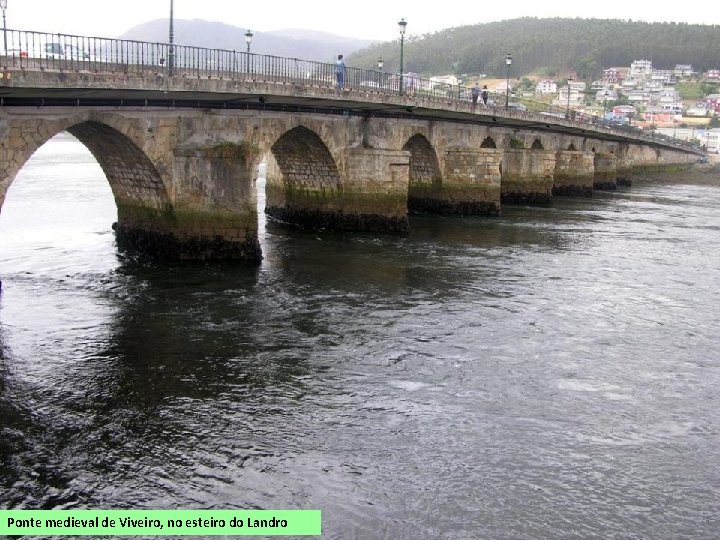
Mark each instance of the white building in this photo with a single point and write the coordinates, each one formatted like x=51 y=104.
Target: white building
x=683 y=70
x=629 y=83
x=546 y=87
x=576 y=97
x=641 y=69
x=699 y=109
x=664 y=76
x=445 y=79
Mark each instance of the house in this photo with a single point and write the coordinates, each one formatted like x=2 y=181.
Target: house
x=712 y=102
x=664 y=76
x=659 y=119
x=670 y=95
x=624 y=110
x=638 y=97
x=576 y=97
x=699 y=109
x=445 y=79
x=546 y=87
x=606 y=94
x=612 y=76
x=683 y=70
x=629 y=83
x=654 y=87
x=712 y=74
x=641 y=69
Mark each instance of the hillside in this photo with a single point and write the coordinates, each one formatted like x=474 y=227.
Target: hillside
x=585 y=46
x=293 y=43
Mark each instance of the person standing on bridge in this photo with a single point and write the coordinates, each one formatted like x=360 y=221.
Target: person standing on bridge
x=475 y=93
x=484 y=94
x=340 y=72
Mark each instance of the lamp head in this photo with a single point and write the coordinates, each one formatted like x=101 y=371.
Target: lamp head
x=401 y=26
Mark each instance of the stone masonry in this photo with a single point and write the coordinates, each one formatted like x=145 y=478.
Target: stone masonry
x=184 y=179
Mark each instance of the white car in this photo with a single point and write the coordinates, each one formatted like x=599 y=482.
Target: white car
x=67 y=52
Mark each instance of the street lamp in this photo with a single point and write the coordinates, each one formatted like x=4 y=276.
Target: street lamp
x=401 y=26
x=381 y=63
x=3 y=6
x=508 y=63
x=567 y=109
x=248 y=39
x=171 y=50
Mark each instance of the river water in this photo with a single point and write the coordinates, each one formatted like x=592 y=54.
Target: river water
x=553 y=373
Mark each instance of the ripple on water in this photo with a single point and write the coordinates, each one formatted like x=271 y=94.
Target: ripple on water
x=548 y=374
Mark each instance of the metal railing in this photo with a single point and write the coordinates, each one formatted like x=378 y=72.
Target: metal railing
x=38 y=50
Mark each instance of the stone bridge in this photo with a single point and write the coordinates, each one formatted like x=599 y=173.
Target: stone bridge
x=181 y=154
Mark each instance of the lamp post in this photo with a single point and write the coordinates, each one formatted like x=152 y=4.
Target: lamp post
x=567 y=109
x=381 y=63
x=248 y=41
x=401 y=26
x=171 y=49
x=3 y=6
x=508 y=63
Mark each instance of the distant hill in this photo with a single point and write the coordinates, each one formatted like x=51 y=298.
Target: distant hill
x=584 y=46
x=293 y=43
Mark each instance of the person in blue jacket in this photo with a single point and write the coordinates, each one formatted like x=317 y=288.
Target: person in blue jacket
x=340 y=72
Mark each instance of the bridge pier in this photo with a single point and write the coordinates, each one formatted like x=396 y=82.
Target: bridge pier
x=527 y=176
x=368 y=193
x=470 y=184
x=213 y=216
x=624 y=171
x=605 y=171
x=574 y=174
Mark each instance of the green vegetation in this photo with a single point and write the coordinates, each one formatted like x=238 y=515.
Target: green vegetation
x=696 y=90
x=525 y=85
x=584 y=46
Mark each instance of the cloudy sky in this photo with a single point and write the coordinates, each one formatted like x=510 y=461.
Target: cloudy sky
x=371 y=19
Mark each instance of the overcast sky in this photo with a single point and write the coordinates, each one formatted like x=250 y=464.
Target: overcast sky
x=370 y=19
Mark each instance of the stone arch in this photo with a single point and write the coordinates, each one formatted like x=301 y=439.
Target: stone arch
x=304 y=181
x=305 y=161
x=425 y=175
x=138 y=189
x=134 y=179
x=537 y=144
x=489 y=142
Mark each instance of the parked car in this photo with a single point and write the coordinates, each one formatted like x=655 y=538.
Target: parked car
x=54 y=50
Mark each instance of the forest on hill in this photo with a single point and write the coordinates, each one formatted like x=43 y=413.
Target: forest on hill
x=549 y=47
